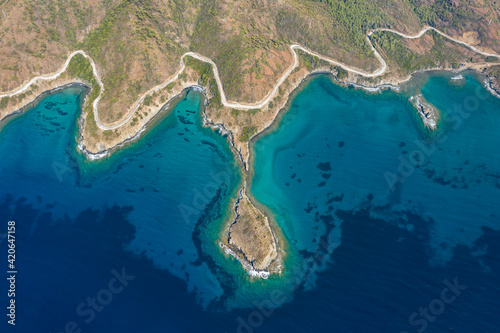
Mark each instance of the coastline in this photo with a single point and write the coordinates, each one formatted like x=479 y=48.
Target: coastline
x=275 y=266
x=488 y=83
x=368 y=89
x=38 y=98
x=223 y=100
x=163 y=111
x=250 y=172
x=264 y=274
x=394 y=84
x=247 y=169
x=98 y=139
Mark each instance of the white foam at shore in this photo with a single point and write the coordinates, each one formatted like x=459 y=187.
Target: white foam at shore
x=293 y=48
x=488 y=86
x=457 y=77
x=374 y=89
x=417 y=102
x=248 y=267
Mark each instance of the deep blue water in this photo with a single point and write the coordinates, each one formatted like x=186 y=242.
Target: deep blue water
x=384 y=211
x=372 y=237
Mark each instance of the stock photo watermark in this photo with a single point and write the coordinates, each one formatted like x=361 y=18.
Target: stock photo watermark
x=11 y=272
x=436 y=307
x=59 y=170
x=203 y=196
x=88 y=309
x=265 y=308
x=408 y=164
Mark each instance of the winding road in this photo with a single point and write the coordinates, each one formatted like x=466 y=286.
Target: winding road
x=224 y=101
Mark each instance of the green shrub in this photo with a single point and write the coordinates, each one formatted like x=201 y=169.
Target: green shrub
x=80 y=67
x=4 y=102
x=247 y=132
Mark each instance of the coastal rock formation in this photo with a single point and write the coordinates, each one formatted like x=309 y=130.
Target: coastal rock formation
x=251 y=236
x=427 y=112
x=247 y=84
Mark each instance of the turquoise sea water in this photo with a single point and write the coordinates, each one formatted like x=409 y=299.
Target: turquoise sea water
x=377 y=213
x=344 y=156
x=351 y=150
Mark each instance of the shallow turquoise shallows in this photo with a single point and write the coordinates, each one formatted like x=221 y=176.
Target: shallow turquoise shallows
x=339 y=148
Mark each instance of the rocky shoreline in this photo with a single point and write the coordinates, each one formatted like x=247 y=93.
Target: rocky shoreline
x=137 y=135
x=39 y=97
x=427 y=113
x=233 y=250
x=251 y=237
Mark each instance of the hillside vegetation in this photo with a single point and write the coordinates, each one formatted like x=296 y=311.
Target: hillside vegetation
x=138 y=43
